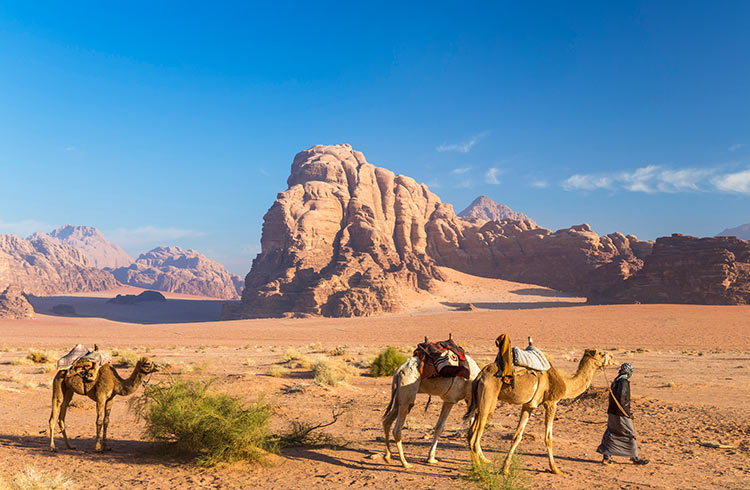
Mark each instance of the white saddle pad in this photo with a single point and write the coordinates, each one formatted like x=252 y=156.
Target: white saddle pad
x=531 y=358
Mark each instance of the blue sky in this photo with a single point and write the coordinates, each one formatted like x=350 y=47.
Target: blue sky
x=176 y=122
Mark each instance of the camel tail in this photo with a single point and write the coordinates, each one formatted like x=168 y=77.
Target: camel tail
x=394 y=387
x=474 y=396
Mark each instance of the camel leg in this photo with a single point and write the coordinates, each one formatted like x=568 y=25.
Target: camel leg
x=487 y=400
x=387 y=423
x=403 y=411
x=549 y=417
x=447 y=406
x=525 y=413
x=67 y=396
x=100 y=403
x=107 y=410
x=57 y=399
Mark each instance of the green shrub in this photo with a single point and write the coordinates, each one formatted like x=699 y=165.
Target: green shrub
x=387 y=362
x=213 y=427
x=490 y=476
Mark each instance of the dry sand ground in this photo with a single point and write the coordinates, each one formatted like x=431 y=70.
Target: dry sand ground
x=691 y=385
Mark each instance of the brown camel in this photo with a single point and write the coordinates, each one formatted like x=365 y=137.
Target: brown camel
x=102 y=389
x=532 y=388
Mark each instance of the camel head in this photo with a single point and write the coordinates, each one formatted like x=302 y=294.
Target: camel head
x=601 y=358
x=146 y=365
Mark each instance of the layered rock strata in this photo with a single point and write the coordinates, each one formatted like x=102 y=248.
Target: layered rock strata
x=43 y=265
x=14 y=305
x=174 y=270
x=686 y=269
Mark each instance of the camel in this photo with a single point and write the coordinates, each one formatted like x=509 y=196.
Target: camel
x=102 y=389
x=404 y=388
x=532 y=388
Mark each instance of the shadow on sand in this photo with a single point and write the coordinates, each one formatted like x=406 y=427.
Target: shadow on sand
x=169 y=311
x=515 y=306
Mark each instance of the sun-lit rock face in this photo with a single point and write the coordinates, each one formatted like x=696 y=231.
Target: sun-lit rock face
x=342 y=240
x=174 y=270
x=686 y=269
x=99 y=251
x=485 y=209
x=14 y=305
x=43 y=265
x=347 y=238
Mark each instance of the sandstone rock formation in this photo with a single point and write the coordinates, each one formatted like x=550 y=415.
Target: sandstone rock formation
x=14 y=305
x=685 y=269
x=485 y=209
x=347 y=238
x=99 y=251
x=342 y=240
x=175 y=270
x=742 y=232
x=43 y=265
x=575 y=260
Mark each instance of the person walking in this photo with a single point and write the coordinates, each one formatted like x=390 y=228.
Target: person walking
x=619 y=438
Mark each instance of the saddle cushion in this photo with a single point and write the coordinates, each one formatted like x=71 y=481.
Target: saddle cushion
x=447 y=360
x=531 y=358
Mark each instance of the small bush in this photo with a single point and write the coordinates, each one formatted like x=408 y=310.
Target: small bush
x=190 y=418
x=331 y=372
x=387 y=362
x=278 y=371
x=340 y=350
x=193 y=367
x=315 y=347
x=41 y=356
x=291 y=355
x=490 y=476
x=249 y=362
x=33 y=479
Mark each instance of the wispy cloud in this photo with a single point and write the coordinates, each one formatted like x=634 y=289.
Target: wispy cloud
x=539 y=184
x=586 y=182
x=24 y=227
x=465 y=184
x=491 y=176
x=464 y=146
x=70 y=148
x=655 y=178
x=148 y=236
x=460 y=170
x=736 y=146
x=733 y=182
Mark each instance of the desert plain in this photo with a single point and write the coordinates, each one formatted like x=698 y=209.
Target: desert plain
x=691 y=390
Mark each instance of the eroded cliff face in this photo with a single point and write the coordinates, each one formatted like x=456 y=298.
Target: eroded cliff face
x=174 y=270
x=342 y=240
x=43 y=265
x=347 y=238
x=574 y=259
x=14 y=305
x=686 y=269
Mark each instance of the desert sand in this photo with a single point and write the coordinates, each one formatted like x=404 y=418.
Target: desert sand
x=691 y=386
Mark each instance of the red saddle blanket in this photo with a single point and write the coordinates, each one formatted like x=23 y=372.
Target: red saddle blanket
x=442 y=359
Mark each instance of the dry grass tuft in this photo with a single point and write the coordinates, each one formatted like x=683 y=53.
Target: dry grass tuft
x=33 y=479
x=330 y=372
x=41 y=356
x=277 y=371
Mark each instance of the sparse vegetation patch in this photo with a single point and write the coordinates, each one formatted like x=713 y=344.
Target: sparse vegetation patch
x=387 y=362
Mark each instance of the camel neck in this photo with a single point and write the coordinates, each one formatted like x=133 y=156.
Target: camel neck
x=582 y=379
x=127 y=386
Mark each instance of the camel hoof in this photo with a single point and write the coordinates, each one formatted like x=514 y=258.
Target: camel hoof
x=484 y=460
x=52 y=449
x=432 y=461
x=406 y=466
x=387 y=458
x=557 y=472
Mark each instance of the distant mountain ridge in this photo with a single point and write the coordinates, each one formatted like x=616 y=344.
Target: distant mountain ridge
x=174 y=270
x=486 y=209
x=91 y=243
x=742 y=232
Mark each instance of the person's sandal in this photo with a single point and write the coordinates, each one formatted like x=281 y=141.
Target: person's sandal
x=640 y=461
x=606 y=461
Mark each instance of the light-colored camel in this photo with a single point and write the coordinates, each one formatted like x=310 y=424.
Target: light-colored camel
x=404 y=388
x=532 y=388
x=102 y=389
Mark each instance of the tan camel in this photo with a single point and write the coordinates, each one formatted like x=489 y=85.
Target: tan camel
x=532 y=388
x=102 y=389
x=404 y=388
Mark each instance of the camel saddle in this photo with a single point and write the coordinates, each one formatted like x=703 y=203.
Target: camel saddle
x=442 y=359
x=83 y=362
x=512 y=360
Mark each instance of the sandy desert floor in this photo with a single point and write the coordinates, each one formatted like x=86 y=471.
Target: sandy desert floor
x=691 y=386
